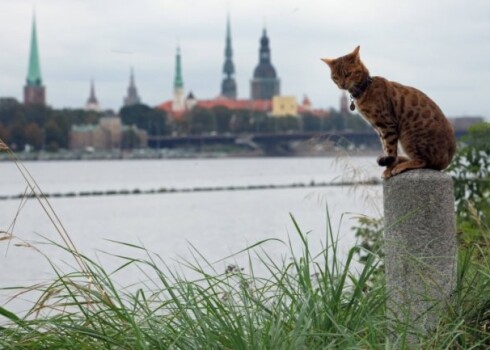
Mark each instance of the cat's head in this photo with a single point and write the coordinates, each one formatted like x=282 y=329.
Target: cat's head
x=347 y=71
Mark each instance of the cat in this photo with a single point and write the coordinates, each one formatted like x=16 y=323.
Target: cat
x=398 y=113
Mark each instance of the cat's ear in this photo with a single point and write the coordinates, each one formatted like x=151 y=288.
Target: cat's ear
x=355 y=53
x=328 y=61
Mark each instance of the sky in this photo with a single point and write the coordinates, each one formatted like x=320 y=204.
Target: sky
x=442 y=47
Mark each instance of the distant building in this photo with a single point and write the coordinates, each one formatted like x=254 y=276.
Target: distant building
x=463 y=123
x=265 y=83
x=190 y=101
x=306 y=104
x=92 y=102
x=228 y=85
x=306 y=108
x=283 y=106
x=238 y=104
x=34 y=90
x=106 y=135
x=132 y=98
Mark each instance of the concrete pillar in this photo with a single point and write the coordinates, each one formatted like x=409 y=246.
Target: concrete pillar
x=420 y=248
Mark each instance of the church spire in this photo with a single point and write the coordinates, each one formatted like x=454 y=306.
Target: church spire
x=228 y=86
x=178 y=102
x=264 y=51
x=34 y=70
x=34 y=92
x=92 y=97
x=132 y=98
x=92 y=102
x=178 y=81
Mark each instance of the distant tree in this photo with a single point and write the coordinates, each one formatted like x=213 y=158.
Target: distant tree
x=64 y=124
x=223 y=117
x=334 y=122
x=4 y=133
x=11 y=111
x=242 y=121
x=202 y=120
x=38 y=114
x=134 y=115
x=311 y=123
x=54 y=136
x=17 y=139
x=130 y=139
x=154 y=121
x=288 y=123
x=356 y=123
x=79 y=116
x=34 y=135
x=181 y=126
x=259 y=122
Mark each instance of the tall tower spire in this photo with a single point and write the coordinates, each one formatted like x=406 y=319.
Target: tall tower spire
x=34 y=91
x=228 y=86
x=178 y=102
x=92 y=102
x=264 y=84
x=132 y=98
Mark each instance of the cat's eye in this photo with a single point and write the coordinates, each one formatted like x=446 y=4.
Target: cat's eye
x=348 y=74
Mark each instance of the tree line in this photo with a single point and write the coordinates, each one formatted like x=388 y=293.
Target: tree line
x=46 y=128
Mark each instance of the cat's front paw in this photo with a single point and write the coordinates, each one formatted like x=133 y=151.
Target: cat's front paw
x=387 y=173
x=385 y=160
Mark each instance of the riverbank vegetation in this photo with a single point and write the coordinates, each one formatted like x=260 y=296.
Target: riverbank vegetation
x=315 y=299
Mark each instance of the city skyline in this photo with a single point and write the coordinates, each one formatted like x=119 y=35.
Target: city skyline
x=427 y=50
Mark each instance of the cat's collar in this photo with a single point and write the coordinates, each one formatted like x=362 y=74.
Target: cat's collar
x=358 y=90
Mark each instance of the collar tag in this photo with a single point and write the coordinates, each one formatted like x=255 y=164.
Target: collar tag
x=352 y=106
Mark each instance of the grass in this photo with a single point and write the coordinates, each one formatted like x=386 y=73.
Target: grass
x=307 y=301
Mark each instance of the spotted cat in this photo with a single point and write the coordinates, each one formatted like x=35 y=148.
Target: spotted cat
x=398 y=113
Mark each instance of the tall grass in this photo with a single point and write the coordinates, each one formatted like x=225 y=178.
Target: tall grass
x=305 y=301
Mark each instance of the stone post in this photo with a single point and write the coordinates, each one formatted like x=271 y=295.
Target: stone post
x=420 y=248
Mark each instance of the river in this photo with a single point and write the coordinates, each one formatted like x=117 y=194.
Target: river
x=217 y=224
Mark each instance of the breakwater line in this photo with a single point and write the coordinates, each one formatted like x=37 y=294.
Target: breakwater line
x=163 y=190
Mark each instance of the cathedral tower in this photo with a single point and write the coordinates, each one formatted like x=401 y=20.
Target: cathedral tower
x=178 y=103
x=34 y=91
x=228 y=86
x=265 y=83
x=132 y=98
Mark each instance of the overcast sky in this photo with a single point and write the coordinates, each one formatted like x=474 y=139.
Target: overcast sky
x=440 y=47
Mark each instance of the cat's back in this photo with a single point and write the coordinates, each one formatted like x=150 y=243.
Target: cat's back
x=424 y=130
x=409 y=102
